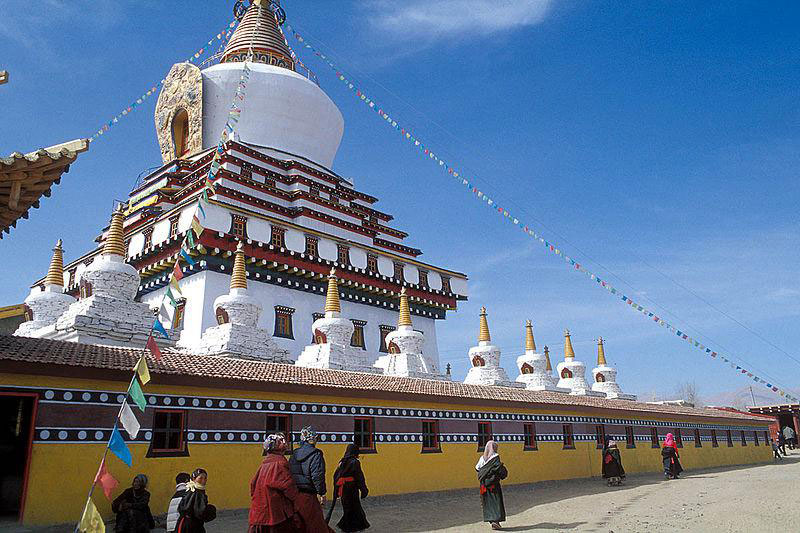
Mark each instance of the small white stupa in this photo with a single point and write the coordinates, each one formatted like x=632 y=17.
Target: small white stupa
x=238 y=334
x=605 y=377
x=45 y=306
x=485 y=360
x=572 y=372
x=332 y=335
x=405 y=348
x=533 y=366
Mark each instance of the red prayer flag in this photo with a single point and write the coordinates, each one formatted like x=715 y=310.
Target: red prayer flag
x=176 y=271
x=153 y=347
x=106 y=480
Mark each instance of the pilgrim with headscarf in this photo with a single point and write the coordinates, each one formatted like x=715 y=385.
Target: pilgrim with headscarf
x=273 y=492
x=132 y=508
x=670 y=458
x=613 y=472
x=490 y=471
x=307 y=465
x=350 y=487
x=194 y=510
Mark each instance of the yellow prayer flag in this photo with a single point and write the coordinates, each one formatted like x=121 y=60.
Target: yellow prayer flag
x=91 y=521
x=143 y=371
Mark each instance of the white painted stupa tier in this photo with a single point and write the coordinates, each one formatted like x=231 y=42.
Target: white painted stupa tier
x=485 y=360
x=605 y=377
x=573 y=373
x=532 y=367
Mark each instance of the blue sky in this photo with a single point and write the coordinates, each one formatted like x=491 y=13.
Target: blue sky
x=657 y=142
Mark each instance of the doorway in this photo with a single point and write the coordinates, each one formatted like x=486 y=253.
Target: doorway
x=16 y=427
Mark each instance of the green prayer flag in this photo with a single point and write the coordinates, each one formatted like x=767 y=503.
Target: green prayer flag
x=190 y=239
x=137 y=395
x=172 y=300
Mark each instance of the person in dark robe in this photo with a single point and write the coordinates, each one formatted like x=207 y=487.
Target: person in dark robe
x=782 y=443
x=132 y=508
x=612 y=464
x=775 y=449
x=308 y=471
x=350 y=488
x=194 y=510
x=490 y=471
x=670 y=458
x=273 y=493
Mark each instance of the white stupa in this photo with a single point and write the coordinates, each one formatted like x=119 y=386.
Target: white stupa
x=332 y=335
x=238 y=333
x=572 y=372
x=485 y=360
x=605 y=377
x=45 y=306
x=533 y=366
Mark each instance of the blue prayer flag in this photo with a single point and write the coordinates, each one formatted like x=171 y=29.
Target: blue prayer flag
x=160 y=329
x=187 y=257
x=117 y=445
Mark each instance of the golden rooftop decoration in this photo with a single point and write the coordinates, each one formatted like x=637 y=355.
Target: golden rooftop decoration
x=115 y=240
x=239 y=274
x=547 y=356
x=405 y=311
x=483 y=335
x=601 y=353
x=55 y=274
x=569 y=353
x=332 y=297
x=530 y=344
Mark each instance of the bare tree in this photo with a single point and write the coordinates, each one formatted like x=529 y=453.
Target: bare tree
x=688 y=392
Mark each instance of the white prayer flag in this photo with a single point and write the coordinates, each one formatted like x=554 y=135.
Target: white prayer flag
x=129 y=421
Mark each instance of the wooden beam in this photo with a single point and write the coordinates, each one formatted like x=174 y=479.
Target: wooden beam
x=13 y=197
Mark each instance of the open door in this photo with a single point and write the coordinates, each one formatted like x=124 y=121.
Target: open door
x=17 y=413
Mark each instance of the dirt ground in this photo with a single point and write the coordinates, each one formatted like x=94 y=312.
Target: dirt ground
x=759 y=498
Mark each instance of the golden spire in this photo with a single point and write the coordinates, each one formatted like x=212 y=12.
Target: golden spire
x=239 y=274
x=55 y=274
x=569 y=353
x=601 y=353
x=405 y=312
x=547 y=356
x=258 y=29
x=530 y=344
x=115 y=239
x=332 y=298
x=483 y=335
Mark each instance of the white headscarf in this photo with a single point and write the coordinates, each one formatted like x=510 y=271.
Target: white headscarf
x=489 y=453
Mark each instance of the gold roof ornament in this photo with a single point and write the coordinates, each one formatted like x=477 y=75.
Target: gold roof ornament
x=483 y=334
x=332 y=297
x=569 y=353
x=239 y=274
x=258 y=30
x=601 y=353
x=530 y=344
x=115 y=244
x=405 y=312
x=55 y=274
x=547 y=356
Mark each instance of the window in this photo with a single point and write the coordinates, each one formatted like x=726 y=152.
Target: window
x=766 y=438
x=398 y=272
x=678 y=439
x=654 y=438
x=698 y=443
x=423 y=279
x=148 y=238
x=600 y=435
x=477 y=360
x=484 y=434
x=362 y=433
x=714 y=441
x=238 y=226
x=755 y=438
x=173 y=226
x=430 y=436
x=566 y=373
x=180 y=133
x=372 y=263
x=343 y=254
x=529 y=435
x=357 y=339
x=630 y=439
x=276 y=237
x=313 y=191
x=729 y=436
x=384 y=331
x=334 y=198
x=446 y=284
x=177 y=318
x=317 y=339
x=280 y=424
x=526 y=369
x=221 y=315
x=71 y=280
x=269 y=182
x=569 y=438
x=744 y=438
x=312 y=246
x=27 y=313
x=169 y=427
x=283 y=322
x=85 y=289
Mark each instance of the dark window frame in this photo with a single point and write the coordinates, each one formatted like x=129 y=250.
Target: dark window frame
x=729 y=437
x=385 y=330
x=312 y=246
x=399 y=271
x=678 y=437
x=446 y=285
x=484 y=436
x=372 y=263
x=343 y=254
x=530 y=442
x=743 y=437
x=698 y=441
x=423 y=279
x=600 y=435
x=630 y=437
x=286 y=429
x=432 y=434
x=277 y=236
x=568 y=437
x=369 y=434
x=148 y=238
x=238 y=226
x=755 y=438
x=286 y=313
x=179 y=314
x=655 y=441
x=182 y=449
x=714 y=439
x=173 y=226
x=358 y=331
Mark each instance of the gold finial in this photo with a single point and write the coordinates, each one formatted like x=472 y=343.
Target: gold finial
x=483 y=335
x=569 y=353
x=55 y=274
x=405 y=311
x=530 y=344
x=239 y=274
x=115 y=240
x=332 y=298
x=601 y=353
x=547 y=356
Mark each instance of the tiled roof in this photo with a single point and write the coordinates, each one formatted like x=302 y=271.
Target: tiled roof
x=51 y=352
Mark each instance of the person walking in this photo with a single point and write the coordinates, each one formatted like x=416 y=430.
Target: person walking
x=782 y=443
x=788 y=434
x=273 y=492
x=670 y=458
x=194 y=510
x=613 y=472
x=172 y=509
x=307 y=465
x=775 y=449
x=490 y=471
x=350 y=484
x=132 y=508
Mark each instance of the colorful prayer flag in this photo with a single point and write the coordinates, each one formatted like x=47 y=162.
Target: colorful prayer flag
x=176 y=271
x=137 y=395
x=173 y=302
x=190 y=239
x=129 y=421
x=141 y=366
x=118 y=447
x=105 y=480
x=91 y=521
x=173 y=283
x=198 y=229
x=187 y=257
x=160 y=329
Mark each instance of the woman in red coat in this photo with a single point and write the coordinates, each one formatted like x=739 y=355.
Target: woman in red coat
x=273 y=492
